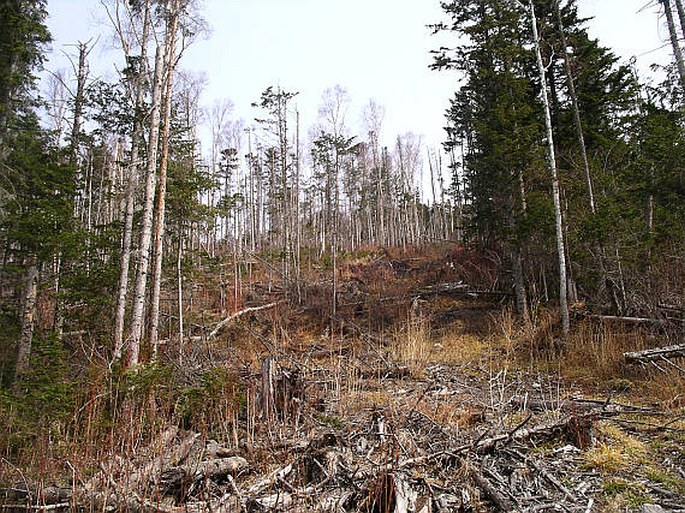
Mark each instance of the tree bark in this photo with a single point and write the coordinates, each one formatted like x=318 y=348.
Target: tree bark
x=673 y=32
x=136 y=330
x=131 y=183
x=681 y=15
x=556 y=195
x=179 y=278
x=170 y=51
x=520 y=283
x=28 y=318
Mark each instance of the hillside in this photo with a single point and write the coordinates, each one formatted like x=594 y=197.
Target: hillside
x=422 y=393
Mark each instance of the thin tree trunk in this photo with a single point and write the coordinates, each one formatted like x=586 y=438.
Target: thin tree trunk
x=170 y=51
x=334 y=232
x=28 y=318
x=179 y=278
x=298 y=217
x=82 y=75
x=556 y=195
x=520 y=284
x=576 y=110
x=681 y=15
x=136 y=330
x=583 y=149
x=58 y=321
x=673 y=32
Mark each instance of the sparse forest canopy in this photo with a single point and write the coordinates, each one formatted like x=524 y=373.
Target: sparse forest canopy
x=180 y=314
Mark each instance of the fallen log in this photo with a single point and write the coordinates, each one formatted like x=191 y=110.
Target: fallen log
x=657 y=353
x=26 y=507
x=575 y=405
x=238 y=314
x=176 y=477
x=628 y=320
x=37 y=494
x=443 y=288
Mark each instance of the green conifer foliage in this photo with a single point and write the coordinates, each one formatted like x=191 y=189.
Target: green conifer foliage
x=22 y=41
x=628 y=195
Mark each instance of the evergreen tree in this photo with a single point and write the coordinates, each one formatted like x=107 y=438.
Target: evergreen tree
x=496 y=117
x=37 y=191
x=22 y=41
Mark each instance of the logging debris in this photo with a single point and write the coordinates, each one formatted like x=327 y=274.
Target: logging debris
x=524 y=454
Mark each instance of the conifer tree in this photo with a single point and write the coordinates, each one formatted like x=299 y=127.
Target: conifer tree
x=22 y=41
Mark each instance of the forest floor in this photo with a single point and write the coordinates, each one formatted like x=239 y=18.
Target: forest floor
x=421 y=393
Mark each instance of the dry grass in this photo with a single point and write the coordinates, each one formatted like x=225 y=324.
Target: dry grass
x=615 y=451
x=668 y=388
x=596 y=350
x=453 y=411
x=459 y=349
x=412 y=344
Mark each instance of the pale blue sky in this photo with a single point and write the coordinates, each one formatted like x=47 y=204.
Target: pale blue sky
x=374 y=48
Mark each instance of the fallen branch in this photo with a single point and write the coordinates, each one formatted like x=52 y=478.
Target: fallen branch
x=577 y=405
x=213 y=469
x=240 y=313
x=529 y=461
x=657 y=353
x=442 y=288
x=487 y=445
x=46 y=507
x=629 y=320
x=490 y=491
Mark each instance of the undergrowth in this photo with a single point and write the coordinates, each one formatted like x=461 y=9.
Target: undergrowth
x=74 y=411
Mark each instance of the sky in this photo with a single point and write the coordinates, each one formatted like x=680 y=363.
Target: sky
x=376 y=49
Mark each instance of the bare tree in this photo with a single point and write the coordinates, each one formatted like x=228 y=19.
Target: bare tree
x=409 y=163
x=170 y=65
x=373 y=120
x=132 y=177
x=57 y=100
x=333 y=109
x=136 y=329
x=673 y=32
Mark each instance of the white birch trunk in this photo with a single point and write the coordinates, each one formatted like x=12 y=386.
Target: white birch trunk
x=673 y=32
x=556 y=194
x=136 y=330
x=131 y=183
x=681 y=15
x=28 y=319
x=179 y=278
x=170 y=52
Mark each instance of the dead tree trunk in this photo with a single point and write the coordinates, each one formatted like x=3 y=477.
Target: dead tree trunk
x=576 y=110
x=136 y=330
x=170 y=51
x=673 y=32
x=131 y=183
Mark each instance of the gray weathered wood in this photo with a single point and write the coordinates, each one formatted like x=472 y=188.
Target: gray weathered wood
x=657 y=353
